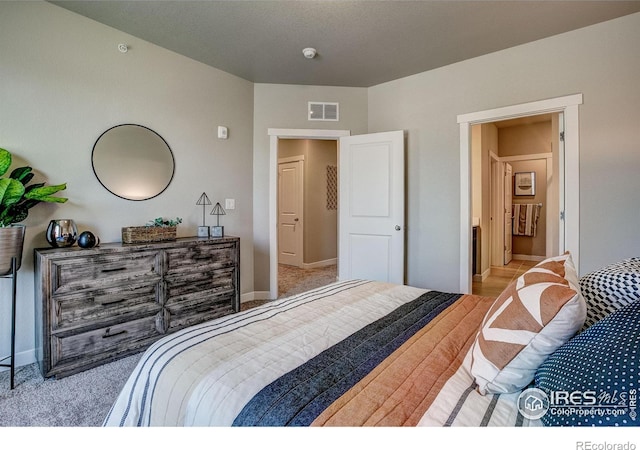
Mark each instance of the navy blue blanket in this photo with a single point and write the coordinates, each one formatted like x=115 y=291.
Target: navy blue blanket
x=298 y=397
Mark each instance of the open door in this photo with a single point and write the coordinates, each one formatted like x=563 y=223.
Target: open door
x=371 y=235
x=508 y=213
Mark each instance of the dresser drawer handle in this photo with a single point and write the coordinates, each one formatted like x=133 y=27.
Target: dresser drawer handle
x=116 y=269
x=108 y=334
x=109 y=301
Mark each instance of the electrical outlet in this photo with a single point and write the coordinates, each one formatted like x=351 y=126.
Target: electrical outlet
x=229 y=203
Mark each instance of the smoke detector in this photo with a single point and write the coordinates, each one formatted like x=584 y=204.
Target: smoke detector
x=309 y=52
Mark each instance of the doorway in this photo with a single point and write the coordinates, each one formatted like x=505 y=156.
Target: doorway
x=363 y=164
x=307 y=214
x=568 y=186
x=504 y=152
x=275 y=136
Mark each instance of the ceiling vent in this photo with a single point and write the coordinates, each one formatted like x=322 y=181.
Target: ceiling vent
x=323 y=111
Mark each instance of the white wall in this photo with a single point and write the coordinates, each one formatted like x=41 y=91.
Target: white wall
x=600 y=61
x=63 y=82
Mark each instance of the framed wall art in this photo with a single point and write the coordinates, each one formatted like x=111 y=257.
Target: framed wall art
x=524 y=183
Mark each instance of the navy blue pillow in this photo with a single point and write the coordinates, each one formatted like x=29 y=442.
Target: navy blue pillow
x=594 y=378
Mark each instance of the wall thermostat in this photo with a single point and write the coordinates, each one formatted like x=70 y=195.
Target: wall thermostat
x=223 y=133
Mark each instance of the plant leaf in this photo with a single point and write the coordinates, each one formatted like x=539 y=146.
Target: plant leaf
x=22 y=174
x=44 y=193
x=11 y=192
x=5 y=161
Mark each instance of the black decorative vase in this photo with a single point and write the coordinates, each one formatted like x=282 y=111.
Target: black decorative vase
x=88 y=240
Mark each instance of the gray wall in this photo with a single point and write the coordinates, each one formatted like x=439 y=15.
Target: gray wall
x=600 y=61
x=285 y=106
x=64 y=83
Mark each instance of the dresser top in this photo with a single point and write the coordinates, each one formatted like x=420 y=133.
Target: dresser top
x=116 y=247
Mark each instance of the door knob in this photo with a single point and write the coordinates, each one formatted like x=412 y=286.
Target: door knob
x=397 y=227
x=295 y=220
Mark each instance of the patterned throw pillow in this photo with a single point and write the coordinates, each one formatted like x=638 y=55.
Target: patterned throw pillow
x=537 y=313
x=607 y=289
x=600 y=368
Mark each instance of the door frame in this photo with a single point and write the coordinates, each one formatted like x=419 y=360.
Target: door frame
x=568 y=105
x=275 y=134
x=506 y=210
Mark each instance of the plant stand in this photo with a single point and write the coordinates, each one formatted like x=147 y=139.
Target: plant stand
x=12 y=365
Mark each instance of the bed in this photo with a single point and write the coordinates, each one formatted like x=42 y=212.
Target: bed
x=364 y=353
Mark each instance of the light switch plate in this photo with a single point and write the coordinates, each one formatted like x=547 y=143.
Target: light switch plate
x=229 y=203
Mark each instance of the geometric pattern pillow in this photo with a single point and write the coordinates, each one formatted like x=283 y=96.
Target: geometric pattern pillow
x=607 y=289
x=537 y=313
x=602 y=365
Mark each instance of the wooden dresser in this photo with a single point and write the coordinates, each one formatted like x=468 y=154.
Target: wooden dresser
x=97 y=305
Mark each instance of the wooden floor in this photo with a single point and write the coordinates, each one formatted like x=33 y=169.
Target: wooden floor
x=500 y=278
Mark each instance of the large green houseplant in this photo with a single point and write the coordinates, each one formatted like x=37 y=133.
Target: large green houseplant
x=17 y=197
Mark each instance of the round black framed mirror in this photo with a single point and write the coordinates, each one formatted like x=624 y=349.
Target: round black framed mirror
x=133 y=162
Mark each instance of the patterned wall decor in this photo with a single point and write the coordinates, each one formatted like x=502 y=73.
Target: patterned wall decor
x=332 y=187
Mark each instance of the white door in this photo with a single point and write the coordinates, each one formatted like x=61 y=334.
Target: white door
x=371 y=235
x=290 y=207
x=562 y=237
x=508 y=215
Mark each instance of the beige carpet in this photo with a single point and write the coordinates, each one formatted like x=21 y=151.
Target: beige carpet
x=293 y=280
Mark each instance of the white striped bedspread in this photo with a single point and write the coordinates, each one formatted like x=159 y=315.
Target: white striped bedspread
x=354 y=353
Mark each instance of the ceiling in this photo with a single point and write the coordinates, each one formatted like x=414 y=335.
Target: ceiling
x=359 y=43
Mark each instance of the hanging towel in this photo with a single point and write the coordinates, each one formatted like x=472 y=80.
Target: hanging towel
x=525 y=219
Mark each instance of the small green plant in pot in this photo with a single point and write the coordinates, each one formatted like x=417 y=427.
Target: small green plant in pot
x=17 y=197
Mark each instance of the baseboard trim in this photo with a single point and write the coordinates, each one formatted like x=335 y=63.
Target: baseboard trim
x=529 y=257
x=22 y=359
x=483 y=276
x=318 y=264
x=255 y=295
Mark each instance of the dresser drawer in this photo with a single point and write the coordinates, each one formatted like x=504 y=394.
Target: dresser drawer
x=95 y=271
x=103 y=306
x=200 y=258
x=195 y=308
x=200 y=282
x=74 y=352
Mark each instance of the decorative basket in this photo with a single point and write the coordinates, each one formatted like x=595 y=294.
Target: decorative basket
x=136 y=235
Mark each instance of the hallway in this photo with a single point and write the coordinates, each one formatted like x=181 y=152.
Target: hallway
x=500 y=278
